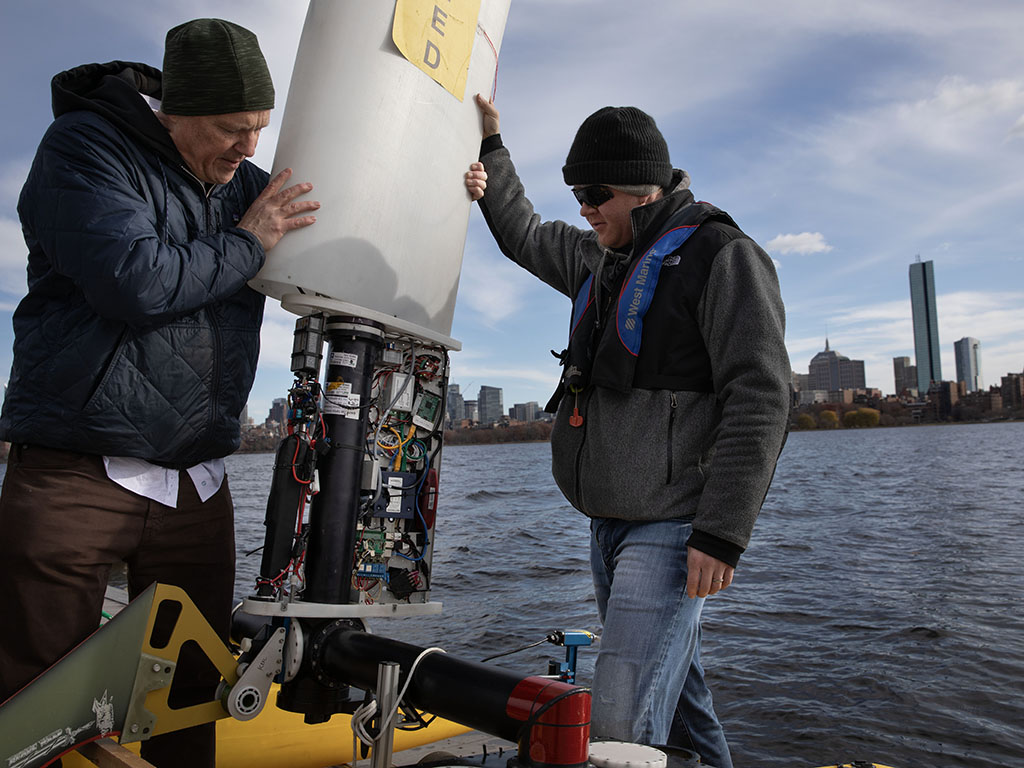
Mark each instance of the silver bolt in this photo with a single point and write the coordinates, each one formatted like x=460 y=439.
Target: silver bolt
x=156 y=667
x=134 y=728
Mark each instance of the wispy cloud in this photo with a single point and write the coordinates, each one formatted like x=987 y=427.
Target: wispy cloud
x=803 y=243
x=12 y=178
x=845 y=139
x=493 y=288
x=13 y=253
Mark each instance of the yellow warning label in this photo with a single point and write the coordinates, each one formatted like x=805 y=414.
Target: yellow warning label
x=437 y=36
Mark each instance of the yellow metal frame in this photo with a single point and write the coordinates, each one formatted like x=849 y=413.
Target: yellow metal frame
x=190 y=626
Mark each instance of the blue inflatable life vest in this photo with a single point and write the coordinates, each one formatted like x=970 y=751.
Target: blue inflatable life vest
x=624 y=351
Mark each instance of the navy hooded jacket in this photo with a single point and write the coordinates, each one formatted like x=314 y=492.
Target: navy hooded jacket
x=139 y=335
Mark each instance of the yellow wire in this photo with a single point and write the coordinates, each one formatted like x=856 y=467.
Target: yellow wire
x=401 y=444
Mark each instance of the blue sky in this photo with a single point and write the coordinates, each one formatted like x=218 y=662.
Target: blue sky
x=846 y=138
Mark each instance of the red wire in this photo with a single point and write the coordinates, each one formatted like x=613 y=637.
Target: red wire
x=494 y=88
x=294 y=458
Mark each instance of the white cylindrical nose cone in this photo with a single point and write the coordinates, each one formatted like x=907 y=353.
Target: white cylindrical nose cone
x=386 y=148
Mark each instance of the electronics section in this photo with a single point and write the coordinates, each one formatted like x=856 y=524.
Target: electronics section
x=395 y=528
x=358 y=468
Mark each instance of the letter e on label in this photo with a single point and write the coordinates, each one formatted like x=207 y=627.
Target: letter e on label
x=438 y=21
x=438 y=41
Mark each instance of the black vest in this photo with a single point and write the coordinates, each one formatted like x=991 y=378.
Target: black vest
x=648 y=336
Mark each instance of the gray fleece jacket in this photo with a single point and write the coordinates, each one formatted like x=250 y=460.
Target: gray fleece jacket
x=654 y=454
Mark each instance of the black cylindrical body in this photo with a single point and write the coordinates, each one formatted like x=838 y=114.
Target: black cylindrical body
x=443 y=684
x=548 y=719
x=287 y=494
x=354 y=346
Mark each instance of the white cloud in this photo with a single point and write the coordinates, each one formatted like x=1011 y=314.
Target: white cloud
x=1018 y=128
x=960 y=114
x=959 y=121
x=12 y=178
x=13 y=255
x=803 y=243
x=991 y=317
x=466 y=370
x=276 y=336
x=493 y=287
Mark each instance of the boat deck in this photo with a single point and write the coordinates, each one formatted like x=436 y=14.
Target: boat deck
x=469 y=744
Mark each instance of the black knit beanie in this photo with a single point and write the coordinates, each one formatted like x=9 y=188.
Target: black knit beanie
x=214 y=67
x=618 y=145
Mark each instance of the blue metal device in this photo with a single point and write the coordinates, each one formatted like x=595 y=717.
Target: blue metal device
x=572 y=640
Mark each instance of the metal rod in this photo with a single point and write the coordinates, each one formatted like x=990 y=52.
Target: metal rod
x=387 y=699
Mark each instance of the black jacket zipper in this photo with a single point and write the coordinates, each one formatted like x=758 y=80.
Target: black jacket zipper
x=671 y=425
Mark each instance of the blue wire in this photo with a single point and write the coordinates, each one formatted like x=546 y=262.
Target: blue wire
x=419 y=486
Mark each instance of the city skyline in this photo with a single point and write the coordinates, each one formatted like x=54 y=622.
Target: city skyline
x=843 y=139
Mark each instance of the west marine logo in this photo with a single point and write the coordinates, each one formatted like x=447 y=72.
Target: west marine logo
x=639 y=286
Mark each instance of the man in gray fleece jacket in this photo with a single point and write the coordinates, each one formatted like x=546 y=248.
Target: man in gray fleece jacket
x=671 y=411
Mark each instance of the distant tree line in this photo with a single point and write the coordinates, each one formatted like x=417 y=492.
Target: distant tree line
x=830 y=419
x=531 y=432
x=259 y=440
x=884 y=414
x=267 y=441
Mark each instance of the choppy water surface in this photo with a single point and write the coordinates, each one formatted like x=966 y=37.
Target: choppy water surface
x=877 y=614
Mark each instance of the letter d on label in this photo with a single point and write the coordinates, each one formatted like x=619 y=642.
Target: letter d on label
x=439 y=45
x=432 y=56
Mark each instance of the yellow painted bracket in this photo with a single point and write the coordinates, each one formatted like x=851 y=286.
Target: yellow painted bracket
x=115 y=683
x=149 y=707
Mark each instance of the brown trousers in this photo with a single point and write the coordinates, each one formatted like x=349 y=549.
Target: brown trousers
x=63 y=525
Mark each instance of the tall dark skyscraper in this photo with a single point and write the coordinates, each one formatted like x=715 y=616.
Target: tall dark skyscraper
x=926 y=324
x=489 y=402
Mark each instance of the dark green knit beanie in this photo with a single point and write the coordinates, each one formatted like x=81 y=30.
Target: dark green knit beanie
x=214 y=67
x=618 y=145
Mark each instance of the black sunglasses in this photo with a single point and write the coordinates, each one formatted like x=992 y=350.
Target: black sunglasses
x=594 y=195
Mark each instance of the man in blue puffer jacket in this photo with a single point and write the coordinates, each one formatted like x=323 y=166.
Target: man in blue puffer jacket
x=137 y=344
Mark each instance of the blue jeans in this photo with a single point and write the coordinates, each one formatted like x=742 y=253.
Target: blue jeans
x=648 y=682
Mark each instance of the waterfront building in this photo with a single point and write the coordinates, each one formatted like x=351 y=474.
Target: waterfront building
x=472 y=411
x=492 y=411
x=524 y=411
x=983 y=400
x=812 y=396
x=943 y=395
x=1012 y=390
x=926 y=324
x=968 y=362
x=456 y=405
x=905 y=375
x=830 y=371
x=278 y=410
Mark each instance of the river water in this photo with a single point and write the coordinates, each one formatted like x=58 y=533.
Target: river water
x=875 y=616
